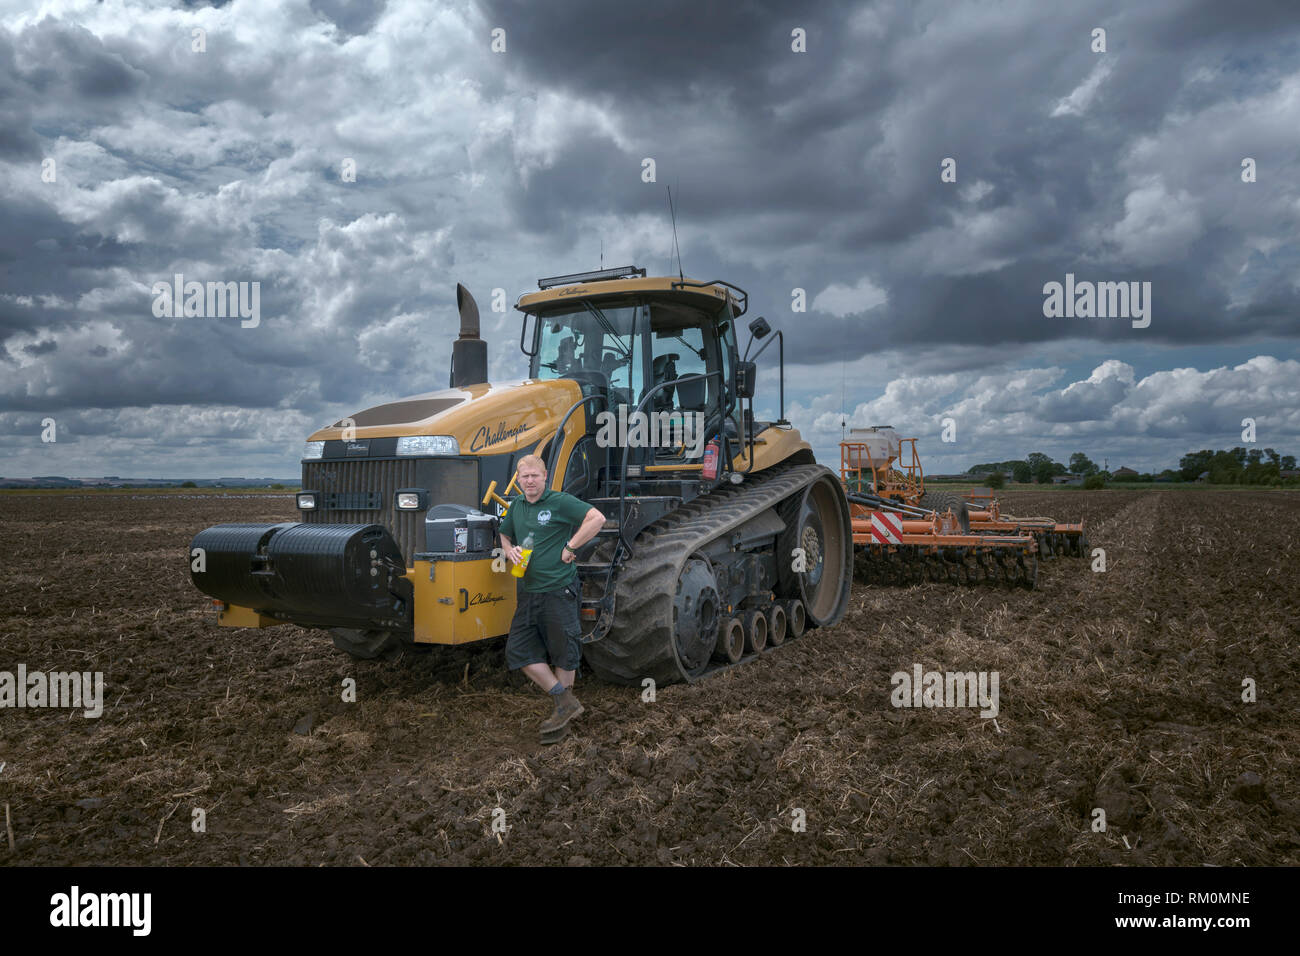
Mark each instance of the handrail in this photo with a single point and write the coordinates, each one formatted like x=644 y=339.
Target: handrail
x=744 y=305
x=559 y=432
x=749 y=435
x=524 y=328
x=915 y=473
x=780 y=338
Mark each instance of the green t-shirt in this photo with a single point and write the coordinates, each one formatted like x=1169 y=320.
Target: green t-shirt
x=552 y=522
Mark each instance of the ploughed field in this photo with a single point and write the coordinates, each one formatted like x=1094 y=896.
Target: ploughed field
x=1119 y=690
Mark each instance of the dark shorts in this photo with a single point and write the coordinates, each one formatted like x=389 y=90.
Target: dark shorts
x=545 y=629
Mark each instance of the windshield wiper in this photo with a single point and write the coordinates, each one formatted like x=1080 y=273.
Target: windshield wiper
x=699 y=353
x=609 y=329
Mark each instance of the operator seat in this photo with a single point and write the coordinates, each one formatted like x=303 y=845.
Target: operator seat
x=566 y=360
x=610 y=363
x=665 y=370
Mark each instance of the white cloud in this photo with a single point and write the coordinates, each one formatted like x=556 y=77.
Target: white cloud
x=1157 y=227
x=1145 y=423
x=975 y=191
x=1076 y=104
x=841 y=300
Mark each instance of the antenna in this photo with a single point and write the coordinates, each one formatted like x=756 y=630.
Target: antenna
x=673 y=213
x=843 y=421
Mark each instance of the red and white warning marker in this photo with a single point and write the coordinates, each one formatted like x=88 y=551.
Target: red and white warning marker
x=886 y=527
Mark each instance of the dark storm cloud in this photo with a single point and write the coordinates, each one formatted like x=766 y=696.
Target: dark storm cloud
x=817 y=171
x=638 y=54
x=17 y=138
x=352 y=17
x=1173 y=26
x=700 y=89
x=41 y=254
x=64 y=59
x=838 y=150
x=1007 y=307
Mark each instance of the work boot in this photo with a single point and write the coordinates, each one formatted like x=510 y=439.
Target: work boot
x=556 y=736
x=566 y=708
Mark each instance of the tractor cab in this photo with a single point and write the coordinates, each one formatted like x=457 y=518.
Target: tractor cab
x=625 y=349
x=658 y=366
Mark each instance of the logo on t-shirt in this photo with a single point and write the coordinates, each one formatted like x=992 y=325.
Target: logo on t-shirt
x=544 y=517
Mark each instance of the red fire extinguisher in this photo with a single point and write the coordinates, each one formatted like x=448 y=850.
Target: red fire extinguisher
x=711 y=452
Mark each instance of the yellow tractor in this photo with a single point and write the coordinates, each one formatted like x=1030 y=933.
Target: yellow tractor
x=722 y=537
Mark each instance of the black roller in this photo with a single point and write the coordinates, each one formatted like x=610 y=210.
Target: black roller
x=228 y=553
x=305 y=572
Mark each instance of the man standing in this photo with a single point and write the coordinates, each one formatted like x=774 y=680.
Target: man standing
x=546 y=626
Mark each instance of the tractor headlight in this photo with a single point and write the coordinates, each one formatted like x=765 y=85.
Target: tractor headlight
x=306 y=501
x=412 y=499
x=427 y=445
x=313 y=449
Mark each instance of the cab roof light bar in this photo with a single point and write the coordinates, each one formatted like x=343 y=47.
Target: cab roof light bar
x=600 y=275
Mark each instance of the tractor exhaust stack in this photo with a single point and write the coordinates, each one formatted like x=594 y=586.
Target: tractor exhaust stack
x=468 y=352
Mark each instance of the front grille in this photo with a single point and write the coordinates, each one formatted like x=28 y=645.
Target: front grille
x=353 y=501
x=364 y=492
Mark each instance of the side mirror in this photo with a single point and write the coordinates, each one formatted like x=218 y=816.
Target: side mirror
x=759 y=327
x=746 y=379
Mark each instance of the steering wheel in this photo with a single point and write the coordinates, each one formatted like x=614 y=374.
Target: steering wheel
x=611 y=360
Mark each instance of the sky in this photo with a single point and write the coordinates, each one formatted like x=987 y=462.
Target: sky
x=895 y=184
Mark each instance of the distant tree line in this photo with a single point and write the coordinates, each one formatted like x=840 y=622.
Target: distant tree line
x=1236 y=467
x=1239 y=466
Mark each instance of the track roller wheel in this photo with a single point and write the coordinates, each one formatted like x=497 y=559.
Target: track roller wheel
x=731 y=641
x=755 y=630
x=795 y=620
x=695 y=615
x=776 y=625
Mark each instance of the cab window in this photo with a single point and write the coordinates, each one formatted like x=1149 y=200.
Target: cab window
x=597 y=346
x=727 y=345
x=683 y=342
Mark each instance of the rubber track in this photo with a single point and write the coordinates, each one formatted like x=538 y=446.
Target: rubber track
x=640 y=644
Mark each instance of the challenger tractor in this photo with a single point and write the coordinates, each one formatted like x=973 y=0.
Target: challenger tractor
x=712 y=550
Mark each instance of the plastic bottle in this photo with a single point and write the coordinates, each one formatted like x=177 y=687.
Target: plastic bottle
x=526 y=549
